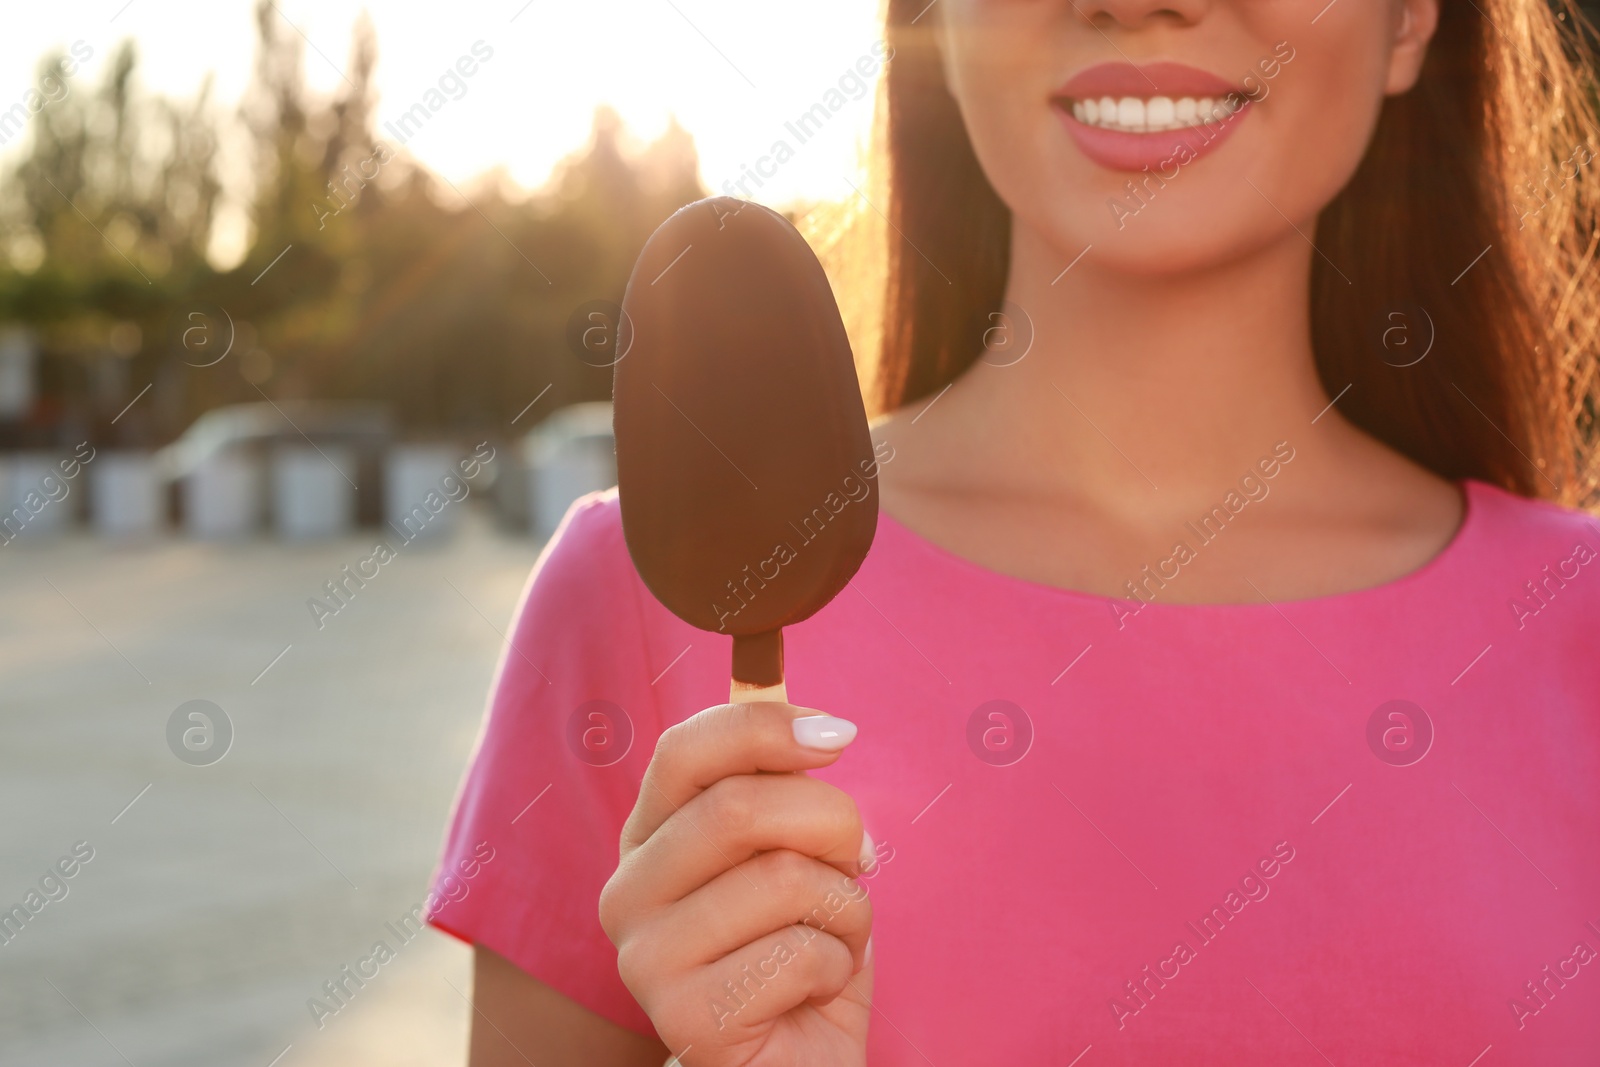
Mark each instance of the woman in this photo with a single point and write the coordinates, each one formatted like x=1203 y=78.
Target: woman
x=1216 y=690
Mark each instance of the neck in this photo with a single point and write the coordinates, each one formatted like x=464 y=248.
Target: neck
x=1177 y=380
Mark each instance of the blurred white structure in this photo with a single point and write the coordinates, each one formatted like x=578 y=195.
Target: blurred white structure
x=36 y=499
x=567 y=455
x=18 y=354
x=222 y=495
x=126 y=495
x=313 y=492
x=221 y=462
x=410 y=474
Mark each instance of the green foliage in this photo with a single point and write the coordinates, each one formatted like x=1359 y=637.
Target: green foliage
x=366 y=277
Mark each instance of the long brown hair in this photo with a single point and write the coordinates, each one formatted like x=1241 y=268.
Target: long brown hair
x=1488 y=161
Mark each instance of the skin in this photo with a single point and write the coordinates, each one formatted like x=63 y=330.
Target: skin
x=1177 y=351
x=517 y=1020
x=1173 y=356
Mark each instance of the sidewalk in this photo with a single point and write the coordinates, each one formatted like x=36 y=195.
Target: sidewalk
x=223 y=898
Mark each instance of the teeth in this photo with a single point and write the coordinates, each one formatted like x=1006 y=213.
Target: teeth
x=1133 y=115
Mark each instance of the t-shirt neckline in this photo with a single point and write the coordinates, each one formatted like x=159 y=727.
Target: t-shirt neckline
x=1471 y=490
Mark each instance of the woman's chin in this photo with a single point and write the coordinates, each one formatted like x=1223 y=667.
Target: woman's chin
x=1159 y=240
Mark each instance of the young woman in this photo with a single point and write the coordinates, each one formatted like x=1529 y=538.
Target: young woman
x=1218 y=689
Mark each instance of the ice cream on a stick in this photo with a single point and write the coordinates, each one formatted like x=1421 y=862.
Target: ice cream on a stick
x=744 y=463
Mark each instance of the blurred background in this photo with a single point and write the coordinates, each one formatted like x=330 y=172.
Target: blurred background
x=282 y=282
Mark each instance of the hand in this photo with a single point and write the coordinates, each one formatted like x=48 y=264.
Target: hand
x=741 y=927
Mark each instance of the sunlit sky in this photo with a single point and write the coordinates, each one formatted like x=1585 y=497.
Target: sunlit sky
x=732 y=72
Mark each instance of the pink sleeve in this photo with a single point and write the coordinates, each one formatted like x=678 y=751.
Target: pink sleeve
x=570 y=727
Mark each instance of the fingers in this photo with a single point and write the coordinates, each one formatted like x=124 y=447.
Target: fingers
x=727 y=740
x=761 y=896
x=755 y=984
x=735 y=899
x=729 y=823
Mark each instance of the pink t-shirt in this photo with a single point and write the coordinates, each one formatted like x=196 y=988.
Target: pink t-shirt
x=1356 y=829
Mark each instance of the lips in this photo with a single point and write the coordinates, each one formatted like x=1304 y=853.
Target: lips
x=1152 y=79
x=1132 y=118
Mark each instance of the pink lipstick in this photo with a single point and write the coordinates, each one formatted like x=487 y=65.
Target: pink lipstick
x=1160 y=116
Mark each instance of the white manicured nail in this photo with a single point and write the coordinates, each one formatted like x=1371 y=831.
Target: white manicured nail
x=866 y=955
x=869 y=852
x=824 y=732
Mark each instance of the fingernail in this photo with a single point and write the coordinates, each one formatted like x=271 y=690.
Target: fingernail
x=866 y=955
x=824 y=732
x=869 y=852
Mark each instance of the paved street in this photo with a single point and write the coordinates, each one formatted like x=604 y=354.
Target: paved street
x=219 y=902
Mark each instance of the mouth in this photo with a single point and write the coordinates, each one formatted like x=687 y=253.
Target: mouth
x=1153 y=114
x=1151 y=117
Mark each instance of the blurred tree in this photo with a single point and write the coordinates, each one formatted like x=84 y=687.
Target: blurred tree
x=365 y=277
x=105 y=221
x=466 y=294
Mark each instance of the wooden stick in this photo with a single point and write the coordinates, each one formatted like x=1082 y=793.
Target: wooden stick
x=758 y=668
x=742 y=693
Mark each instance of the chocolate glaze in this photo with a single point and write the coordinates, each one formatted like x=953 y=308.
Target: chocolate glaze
x=744 y=464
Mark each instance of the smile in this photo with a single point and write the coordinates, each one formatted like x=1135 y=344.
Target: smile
x=1155 y=114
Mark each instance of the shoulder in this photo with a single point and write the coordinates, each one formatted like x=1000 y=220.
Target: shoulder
x=1533 y=555
x=1517 y=525
x=580 y=604
x=586 y=607
x=578 y=647
x=587 y=554
x=591 y=531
